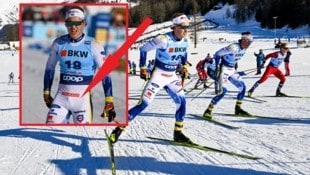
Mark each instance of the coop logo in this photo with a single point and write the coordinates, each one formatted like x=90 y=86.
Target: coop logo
x=72 y=78
x=74 y=53
x=170 y=67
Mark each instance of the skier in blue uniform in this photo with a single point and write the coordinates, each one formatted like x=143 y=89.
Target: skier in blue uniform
x=77 y=55
x=224 y=71
x=170 y=49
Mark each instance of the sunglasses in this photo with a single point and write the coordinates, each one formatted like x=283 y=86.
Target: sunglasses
x=286 y=48
x=249 y=42
x=184 y=27
x=73 y=23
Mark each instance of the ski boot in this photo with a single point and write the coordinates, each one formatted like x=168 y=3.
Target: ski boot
x=178 y=136
x=208 y=112
x=205 y=86
x=197 y=84
x=280 y=94
x=250 y=92
x=115 y=134
x=240 y=112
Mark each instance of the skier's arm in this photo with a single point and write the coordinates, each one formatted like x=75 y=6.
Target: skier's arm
x=49 y=75
x=229 y=50
x=99 y=57
x=272 y=55
x=158 y=42
x=50 y=68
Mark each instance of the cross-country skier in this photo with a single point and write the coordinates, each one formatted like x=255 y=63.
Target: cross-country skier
x=224 y=72
x=202 y=71
x=276 y=59
x=77 y=55
x=170 y=48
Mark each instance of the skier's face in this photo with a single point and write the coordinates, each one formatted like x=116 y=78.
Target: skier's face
x=245 y=43
x=75 y=27
x=181 y=30
x=284 y=50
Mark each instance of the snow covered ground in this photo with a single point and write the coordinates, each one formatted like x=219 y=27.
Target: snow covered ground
x=283 y=146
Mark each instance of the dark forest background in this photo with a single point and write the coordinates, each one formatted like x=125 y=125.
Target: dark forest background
x=294 y=13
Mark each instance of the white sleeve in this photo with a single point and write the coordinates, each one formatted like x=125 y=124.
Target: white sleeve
x=52 y=58
x=98 y=53
x=160 y=42
x=231 y=49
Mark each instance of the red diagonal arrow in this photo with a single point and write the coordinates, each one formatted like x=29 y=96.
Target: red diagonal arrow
x=112 y=61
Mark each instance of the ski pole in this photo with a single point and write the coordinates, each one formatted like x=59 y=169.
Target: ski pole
x=202 y=91
x=243 y=73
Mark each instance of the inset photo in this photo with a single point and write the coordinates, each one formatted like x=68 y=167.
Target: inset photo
x=62 y=49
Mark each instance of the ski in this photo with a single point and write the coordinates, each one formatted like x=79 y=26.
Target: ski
x=111 y=150
x=201 y=91
x=193 y=98
x=246 y=72
x=204 y=148
x=189 y=82
x=191 y=89
x=134 y=98
x=256 y=116
x=249 y=70
x=256 y=99
x=287 y=96
x=249 y=99
x=216 y=122
x=187 y=91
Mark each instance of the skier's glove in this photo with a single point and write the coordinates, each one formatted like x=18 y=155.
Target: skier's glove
x=144 y=74
x=109 y=112
x=185 y=73
x=47 y=98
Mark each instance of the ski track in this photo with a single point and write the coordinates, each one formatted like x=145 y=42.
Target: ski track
x=92 y=144
x=25 y=156
x=56 y=156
